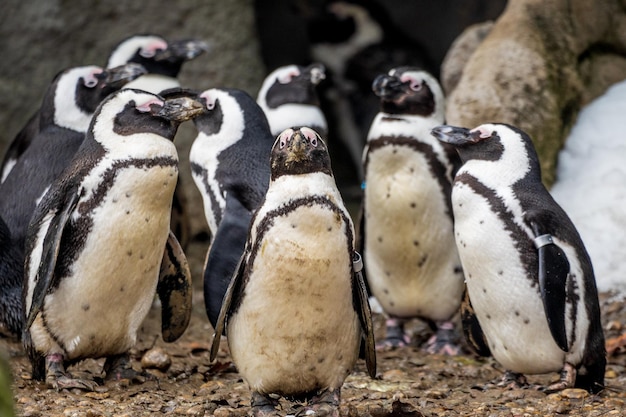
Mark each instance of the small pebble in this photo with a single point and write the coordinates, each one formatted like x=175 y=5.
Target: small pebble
x=156 y=358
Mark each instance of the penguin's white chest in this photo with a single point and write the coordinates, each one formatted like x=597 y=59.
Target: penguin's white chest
x=412 y=266
x=504 y=295
x=98 y=308
x=296 y=330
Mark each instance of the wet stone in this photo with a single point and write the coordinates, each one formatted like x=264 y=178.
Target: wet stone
x=156 y=358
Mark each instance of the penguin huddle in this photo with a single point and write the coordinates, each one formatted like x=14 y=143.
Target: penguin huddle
x=446 y=212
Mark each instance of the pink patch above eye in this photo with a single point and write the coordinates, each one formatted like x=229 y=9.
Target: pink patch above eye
x=145 y=107
x=310 y=135
x=288 y=76
x=210 y=102
x=150 y=50
x=91 y=80
x=484 y=133
x=284 y=137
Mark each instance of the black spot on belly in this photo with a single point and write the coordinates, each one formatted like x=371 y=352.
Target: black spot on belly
x=385 y=290
x=330 y=228
x=312 y=368
x=516 y=313
x=388 y=195
x=293 y=226
x=129 y=252
x=388 y=273
x=114 y=200
x=395 y=151
x=488 y=316
x=321 y=359
x=526 y=321
x=147 y=219
x=122 y=288
x=391 y=303
x=85 y=307
x=128 y=194
x=422 y=261
x=484 y=290
x=127 y=211
x=380 y=239
x=481 y=222
x=458 y=270
x=500 y=272
x=416 y=243
x=413 y=205
x=505 y=348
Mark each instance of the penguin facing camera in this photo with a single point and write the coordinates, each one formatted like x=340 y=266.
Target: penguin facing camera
x=406 y=226
x=529 y=279
x=99 y=244
x=296 y=310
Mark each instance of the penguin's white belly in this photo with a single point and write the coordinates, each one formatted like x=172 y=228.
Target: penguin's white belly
x=412 y=264
x=97 y=310
x=509 y=308
x=296 y=329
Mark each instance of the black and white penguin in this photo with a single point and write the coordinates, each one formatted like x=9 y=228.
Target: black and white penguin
x=229 y=166
x=63 y=119
x=296 y=311
x=411 y=263
x=289 y=98
x=65 y=87
x=163 y=59
x=99 y=245
x=529 y=278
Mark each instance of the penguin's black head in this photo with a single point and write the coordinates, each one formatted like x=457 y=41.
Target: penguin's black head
x=488 y=141
x=135 y=111
x=408 y=90
x=293 y=84
x=156 y=54
x=299 y=151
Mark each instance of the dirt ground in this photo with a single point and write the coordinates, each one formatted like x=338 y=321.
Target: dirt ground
x=409 y=382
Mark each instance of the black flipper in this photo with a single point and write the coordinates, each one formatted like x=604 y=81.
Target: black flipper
x=56 y=218
x=554 y=269
x=175 y=291
x=471 y=328
x=220 y=326
x=361 y=304
x=224 y=255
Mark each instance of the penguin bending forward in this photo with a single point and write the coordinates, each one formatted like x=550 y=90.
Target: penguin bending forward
x=229 y=166
x=529 y=278
x=296 y=311
x=412 y=265
x=99 y=244
x=288 y=98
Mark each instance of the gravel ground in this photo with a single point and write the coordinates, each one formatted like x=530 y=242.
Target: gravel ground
x=409 y=382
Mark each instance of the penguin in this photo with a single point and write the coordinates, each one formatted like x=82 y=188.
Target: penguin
x=529 y=278
x=296 y=310
x=411 y=262
x=118 y=77
x=288 y=98
x=163 y=59
x=99 y=245
x=64 y=118
x=229 y=167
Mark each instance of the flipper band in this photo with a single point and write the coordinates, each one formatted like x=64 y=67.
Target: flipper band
x=543 y=240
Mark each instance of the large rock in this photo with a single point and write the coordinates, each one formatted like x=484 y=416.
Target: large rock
x=541 y=61
x=39 y=38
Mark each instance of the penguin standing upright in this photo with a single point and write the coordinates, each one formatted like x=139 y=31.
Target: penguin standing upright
x=163 y=59
x=229 y=166
x=288 y=98
x=296 y=309
x=64 y=117
x=529 y=278
x=99 y=244
x=412 y=266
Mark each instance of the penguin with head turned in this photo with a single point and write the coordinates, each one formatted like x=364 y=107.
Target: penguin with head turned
x=296 y=311
x=529 y=279
x=411 y=262
x=288 y=98
x=163 y=59
x=229 y=166
x=64 y=117
x=99 y=244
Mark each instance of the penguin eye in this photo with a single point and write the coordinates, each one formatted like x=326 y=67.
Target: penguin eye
x=210 y=105
x=284 y=137
x=311 y=135
x=91 y=80
x=147 y=52
x=416 y=85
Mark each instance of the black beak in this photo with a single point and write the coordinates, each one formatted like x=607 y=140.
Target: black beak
x=120 y=76
x=179 y=109
x=317 y=72
x=453 y=135
x=386 y=86
x=183 y=50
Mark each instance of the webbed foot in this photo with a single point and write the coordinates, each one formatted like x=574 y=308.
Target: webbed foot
x=263 y=405
x=58 y=379
x=394 y=335
x=444 y=341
